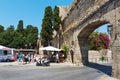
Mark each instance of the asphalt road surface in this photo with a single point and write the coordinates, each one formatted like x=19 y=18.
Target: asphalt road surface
x=89 y=72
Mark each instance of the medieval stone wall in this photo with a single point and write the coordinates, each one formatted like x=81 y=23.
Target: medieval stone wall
x=79 y=11
x=64 y=10
x=83 y=17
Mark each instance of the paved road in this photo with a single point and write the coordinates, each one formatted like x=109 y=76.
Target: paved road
x=52 y=73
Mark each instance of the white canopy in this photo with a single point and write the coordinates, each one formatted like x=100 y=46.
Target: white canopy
x=4 y=48
x=50 y=48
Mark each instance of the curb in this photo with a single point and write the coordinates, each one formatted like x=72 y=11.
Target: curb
x=105 y=77
x=17 y=64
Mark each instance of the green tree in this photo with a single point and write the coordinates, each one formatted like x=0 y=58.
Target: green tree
x=57 y=22
x=1 y=28
x=5 y=38
x=1 y=35
x=31 y=36
x=9 y=35
x=2 y=42
x=20 y=27
x=10 y=28
x=20 y=37
x=56 y=19
x=47 y=30
x=18 y=41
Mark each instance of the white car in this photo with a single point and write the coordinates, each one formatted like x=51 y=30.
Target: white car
x=6 y=58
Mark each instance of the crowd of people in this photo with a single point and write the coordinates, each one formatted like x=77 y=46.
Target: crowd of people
x=33 y=57
x=26 y=57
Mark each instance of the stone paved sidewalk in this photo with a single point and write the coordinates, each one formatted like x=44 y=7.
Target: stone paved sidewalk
x=105 y=77
x=33 y=64
x=52 y=65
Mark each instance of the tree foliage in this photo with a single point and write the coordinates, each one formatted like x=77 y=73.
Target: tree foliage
x=51 y=21
x=47 y=30
x=56 y=19
x=1 y=28
x=20 y=27
x=98 y=41
x=31 y=36
x=19 y=38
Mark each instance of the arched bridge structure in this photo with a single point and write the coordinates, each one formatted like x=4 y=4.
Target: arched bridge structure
x=81 y=19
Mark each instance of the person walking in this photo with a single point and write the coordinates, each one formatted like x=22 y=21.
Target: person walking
x=57 y=58
x=21 y=57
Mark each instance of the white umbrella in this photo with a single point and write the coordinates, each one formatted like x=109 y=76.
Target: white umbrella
x=50 y=48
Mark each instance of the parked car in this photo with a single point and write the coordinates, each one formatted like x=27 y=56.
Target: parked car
x=6 y=58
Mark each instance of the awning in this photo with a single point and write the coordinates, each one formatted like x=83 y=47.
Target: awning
x=50 y=48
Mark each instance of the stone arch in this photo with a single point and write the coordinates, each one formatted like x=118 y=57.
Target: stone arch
x=90 y=28
x=103 y=15
x=83 y=38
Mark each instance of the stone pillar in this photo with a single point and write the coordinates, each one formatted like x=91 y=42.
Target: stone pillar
x=76 y=53
x=116 y=43
x=83 y=43
x=116 y=58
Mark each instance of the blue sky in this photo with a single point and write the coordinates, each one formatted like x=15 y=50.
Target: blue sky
x=30 y=11
x=102 y=28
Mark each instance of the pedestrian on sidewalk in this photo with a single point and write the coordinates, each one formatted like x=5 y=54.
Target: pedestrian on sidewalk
x=21 y=56
x=57 y=58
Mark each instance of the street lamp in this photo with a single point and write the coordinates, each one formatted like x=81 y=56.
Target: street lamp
x=109 y=29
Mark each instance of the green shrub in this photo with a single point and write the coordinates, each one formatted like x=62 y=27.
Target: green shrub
x=65 y=49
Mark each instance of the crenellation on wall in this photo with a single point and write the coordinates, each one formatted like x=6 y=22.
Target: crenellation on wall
x=64 y=10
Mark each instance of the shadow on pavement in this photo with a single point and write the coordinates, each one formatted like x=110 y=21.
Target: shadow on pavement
x=107 y=69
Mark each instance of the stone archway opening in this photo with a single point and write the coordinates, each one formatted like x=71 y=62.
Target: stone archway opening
x=83 y=39
x=101 y=54
x=84 y=50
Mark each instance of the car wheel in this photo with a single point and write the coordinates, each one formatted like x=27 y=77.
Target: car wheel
x=8 y=60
